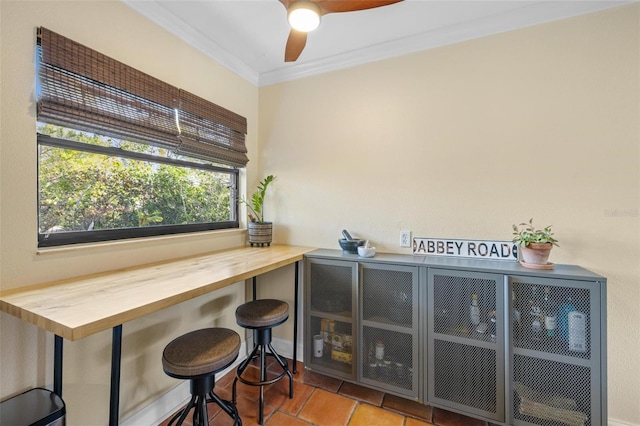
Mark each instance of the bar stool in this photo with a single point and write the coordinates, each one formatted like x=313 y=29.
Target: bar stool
x=197 y=356
x=261 y=316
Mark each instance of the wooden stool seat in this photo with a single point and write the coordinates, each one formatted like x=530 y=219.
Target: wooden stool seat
x=200 y=352
x=198 y=356
x=262 y=313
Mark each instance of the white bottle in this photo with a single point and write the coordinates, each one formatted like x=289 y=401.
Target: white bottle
x=536 y=319
x=379 y=350
x=577 y=329
x=474 y=310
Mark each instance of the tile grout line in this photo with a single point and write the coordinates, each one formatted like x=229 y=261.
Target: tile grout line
x=305 y=401
x=355 y=406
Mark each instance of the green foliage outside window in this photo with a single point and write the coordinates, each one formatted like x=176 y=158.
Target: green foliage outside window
x=84 y=191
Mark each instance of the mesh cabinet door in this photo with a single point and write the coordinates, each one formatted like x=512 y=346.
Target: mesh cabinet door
x=389 y=328
x=330 y=323
x=554 y=364
x=466 y=342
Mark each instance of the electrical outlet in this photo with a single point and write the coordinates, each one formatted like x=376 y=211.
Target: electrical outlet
x=405 y=238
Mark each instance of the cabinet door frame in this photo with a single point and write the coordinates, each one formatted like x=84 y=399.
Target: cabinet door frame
x=498 y=346
x=309 y=313
x=596 y=361
x=414 y=331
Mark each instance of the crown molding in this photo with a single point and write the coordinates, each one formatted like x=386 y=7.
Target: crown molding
x=158 y=14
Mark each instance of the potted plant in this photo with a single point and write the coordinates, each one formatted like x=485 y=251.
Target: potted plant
x=260 y=232
x=535 y=245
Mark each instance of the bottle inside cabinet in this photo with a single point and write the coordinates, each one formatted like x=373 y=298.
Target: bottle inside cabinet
x=464 y=307
x=474 y=310
x=549 y=313
x=534 y=319
x=557 y=319
x=387 y=357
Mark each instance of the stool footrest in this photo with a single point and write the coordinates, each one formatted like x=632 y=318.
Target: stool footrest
x=262 y=383
x=263 y=374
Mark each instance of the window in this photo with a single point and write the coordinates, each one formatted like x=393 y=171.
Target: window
x=93 y=188
x=124 y=155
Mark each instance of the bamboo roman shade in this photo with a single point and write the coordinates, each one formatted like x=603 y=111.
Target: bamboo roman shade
x=210 y=131
x=86 y=90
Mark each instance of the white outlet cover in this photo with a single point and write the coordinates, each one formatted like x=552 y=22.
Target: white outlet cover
x=405 y=238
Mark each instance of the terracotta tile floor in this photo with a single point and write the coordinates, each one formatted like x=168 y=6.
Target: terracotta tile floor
x=325 y=401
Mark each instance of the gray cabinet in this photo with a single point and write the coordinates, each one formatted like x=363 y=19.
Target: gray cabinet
x=478 y=338
x=366 y=313
x=465 y=344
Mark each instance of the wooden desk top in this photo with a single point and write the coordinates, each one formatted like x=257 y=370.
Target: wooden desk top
x=79 y=307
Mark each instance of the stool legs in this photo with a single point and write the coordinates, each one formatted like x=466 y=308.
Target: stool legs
x=228 y=408
x=201 y=388
x=285 y=366
x=263 y=343
x=183 y=414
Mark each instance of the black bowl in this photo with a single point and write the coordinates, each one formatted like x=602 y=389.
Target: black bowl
x=350 y=246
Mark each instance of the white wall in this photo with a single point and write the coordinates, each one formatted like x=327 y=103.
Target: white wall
x=26 y=352
x=465 y=140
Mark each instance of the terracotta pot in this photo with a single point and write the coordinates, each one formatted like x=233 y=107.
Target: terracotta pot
x=260 y=233
x=536 y=253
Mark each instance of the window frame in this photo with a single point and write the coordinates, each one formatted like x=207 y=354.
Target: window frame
x=79 y=237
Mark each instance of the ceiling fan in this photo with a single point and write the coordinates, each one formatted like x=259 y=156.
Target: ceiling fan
x=304 y=16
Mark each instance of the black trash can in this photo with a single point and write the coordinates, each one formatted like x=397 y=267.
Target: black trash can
x=35 y=407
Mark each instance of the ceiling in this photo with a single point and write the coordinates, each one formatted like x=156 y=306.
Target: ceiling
x=249 y=36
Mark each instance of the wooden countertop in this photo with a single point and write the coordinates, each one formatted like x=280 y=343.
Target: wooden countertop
x=79 y=307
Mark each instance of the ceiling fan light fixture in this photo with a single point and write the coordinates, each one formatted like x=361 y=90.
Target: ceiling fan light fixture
x=304 y=16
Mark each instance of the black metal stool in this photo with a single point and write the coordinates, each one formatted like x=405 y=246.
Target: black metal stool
x=198 y=356
x=261 y=316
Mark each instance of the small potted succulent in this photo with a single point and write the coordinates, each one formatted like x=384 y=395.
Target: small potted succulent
x=535 y=245
x=260 y=232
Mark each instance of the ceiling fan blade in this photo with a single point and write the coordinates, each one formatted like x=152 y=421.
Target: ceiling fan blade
x=298 y=39
x=286 y=3
x=295 y=44
x=334 y=6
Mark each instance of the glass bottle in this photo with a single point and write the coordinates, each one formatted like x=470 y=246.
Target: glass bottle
x=577 y=331
x=516 y=320
x=550 y=315
x=379 y=350
x=372 y=362
x=474 y=310
x=492 y=325
x=535 y=319
x=563 y=318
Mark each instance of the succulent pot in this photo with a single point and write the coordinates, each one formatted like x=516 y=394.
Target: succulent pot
x=260 y=233
x=535 y=253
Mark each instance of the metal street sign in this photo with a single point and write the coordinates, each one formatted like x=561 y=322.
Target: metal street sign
x=477 y=249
